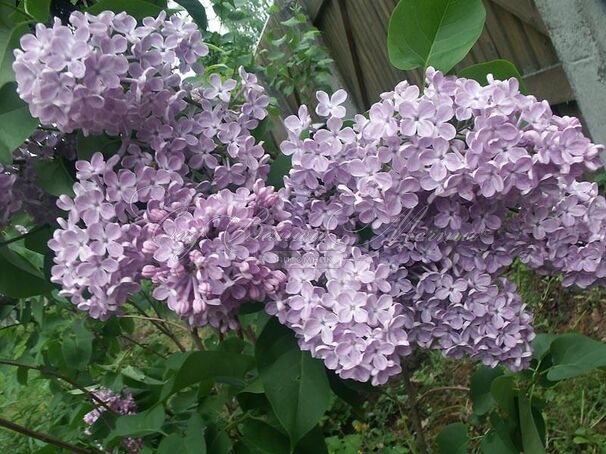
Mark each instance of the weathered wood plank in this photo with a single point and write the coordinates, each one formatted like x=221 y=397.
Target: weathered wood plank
x=551 y=84
x=524 y=10
x=514 y=34
x=497 y=33
x=314 y=7
x=541 y=46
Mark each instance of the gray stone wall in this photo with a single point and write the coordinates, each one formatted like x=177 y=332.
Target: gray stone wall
x=578 y=32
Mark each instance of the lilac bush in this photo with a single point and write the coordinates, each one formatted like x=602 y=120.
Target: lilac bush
x=394 y=230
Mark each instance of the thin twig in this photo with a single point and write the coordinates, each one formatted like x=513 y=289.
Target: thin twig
x=159 y=315
x=45 y=437
x=10 y=326
x=414 y=411
x=193 y=102
x=153 y=319
x=48 y=128
x=47 y=371
x=159 y=323
x=143 y=346
x=20 y=237
x=250 y=333
x=196 y=339
x=442 y=388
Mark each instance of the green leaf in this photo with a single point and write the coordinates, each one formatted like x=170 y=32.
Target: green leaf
x=192 y=443
x=453 y=439
x=541 y=345
x=9 y=17
x=86 y=146
x=506 y=430
x=53 y=177
x=171 y=445
x=16 y=123
x=194 y=437
x=313 y=443
x=500 y=69
x=295 y=384
x=139 y=9
x=347 y=444
x=481 y=380
x=531 y=441
x=278 y=170
x=217 y=441
x=260 y=437
x=493 y=444
x=28 y=261
x=38 y=241
x=226 y=367
x=196 y=11
x=436 y=33
x=39 y=9
x=22 y=373
x=9 y=41
x=78 y=348
x=503 y=392
x=146 y=422
x=15 y=282
x=573 y=355
x=353 y=392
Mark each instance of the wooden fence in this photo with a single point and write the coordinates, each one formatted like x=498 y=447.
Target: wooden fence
x=355 y=32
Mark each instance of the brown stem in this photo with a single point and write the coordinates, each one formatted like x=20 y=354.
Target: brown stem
x=250 y=333
x=143 y=346
x=47 y=371
x=196 y=339
x=20 y=237
x=193 y=102
x=158 y=323
x=414 y=411
x=442 y=388
x=44 y=437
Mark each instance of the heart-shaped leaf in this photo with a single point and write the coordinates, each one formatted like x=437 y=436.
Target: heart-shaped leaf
x=16 y=123
x=436 y=33
x=295 y=384
x=574 y=355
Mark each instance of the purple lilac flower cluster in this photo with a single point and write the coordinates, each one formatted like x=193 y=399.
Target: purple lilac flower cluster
x=119 y=404
x=92 y=74
x=209 y=259
x=182 y=203
x=447 y=187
